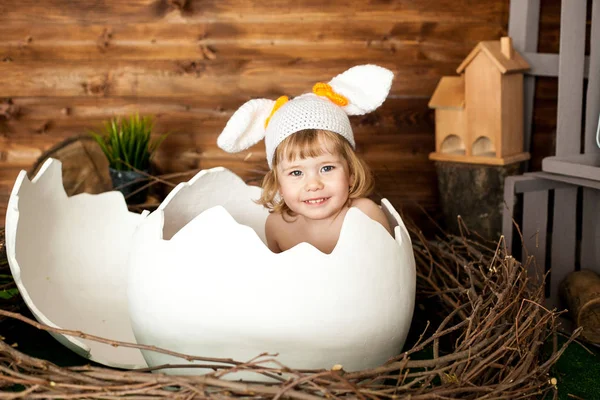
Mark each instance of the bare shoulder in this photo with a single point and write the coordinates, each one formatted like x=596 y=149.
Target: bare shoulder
x=372 y=210
x=272 y=228
x=273 y=220
x=368 y=206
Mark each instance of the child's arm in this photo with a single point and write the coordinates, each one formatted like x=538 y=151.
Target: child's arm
x=271 y=233
x=371 y=209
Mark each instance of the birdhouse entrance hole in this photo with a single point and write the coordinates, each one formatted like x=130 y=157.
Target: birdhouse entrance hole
x=483 y=146
x=453 y=144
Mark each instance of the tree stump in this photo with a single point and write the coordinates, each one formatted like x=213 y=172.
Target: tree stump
x=581 y=292
x=84 y=165
x=476 y=193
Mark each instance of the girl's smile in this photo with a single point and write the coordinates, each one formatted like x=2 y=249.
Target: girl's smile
x=317 y=202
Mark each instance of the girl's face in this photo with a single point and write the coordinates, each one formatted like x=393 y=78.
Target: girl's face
x=315 y=187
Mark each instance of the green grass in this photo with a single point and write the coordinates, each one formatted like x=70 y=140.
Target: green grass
x=578 y=372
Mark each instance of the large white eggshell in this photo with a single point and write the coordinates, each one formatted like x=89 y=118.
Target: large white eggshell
x=203 y=282
x=68 y=256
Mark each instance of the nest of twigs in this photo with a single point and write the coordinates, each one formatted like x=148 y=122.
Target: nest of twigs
x=486 y=343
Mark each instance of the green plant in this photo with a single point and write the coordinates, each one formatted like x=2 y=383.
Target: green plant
x=7 y=292
x=127 y=143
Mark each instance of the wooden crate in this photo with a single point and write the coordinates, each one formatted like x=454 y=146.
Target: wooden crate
x=560 y=222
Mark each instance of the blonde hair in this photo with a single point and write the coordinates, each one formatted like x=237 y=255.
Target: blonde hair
x=313 y=143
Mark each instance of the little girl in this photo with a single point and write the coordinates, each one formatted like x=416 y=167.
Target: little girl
x=315 y=175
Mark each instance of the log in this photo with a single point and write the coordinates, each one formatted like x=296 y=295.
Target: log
x=84 y=165
x=580 y=290
x=476 y=194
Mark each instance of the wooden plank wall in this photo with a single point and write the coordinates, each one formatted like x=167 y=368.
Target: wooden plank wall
x=67 y=66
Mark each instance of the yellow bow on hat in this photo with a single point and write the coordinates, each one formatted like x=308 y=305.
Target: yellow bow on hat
x=278 y=103
x=324 y=89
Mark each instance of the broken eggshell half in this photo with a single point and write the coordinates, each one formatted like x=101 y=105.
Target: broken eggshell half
x=68 y=257
x=203 y=282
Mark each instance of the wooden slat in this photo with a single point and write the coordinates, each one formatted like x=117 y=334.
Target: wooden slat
x=522 y=184
x=590 y=234
x=411 y=114
x=8 y=175
x=572 y=181
x=550 y=12
x=592 y=109
x=402 y=124
x=42 y=108
x=508 y=211
x=528 y=110
x=198 y=126
x=385 y=51
x=542 y=146
x=564 y=230
x=549 y=37
x=404 y=153
x=547 y=64
x=179 y=79
x=167 y=41
x=535 y=225
x=533 y=182
x=397 y=149
x=590 y=230
x=400 y=133
x=203 y=135
x=115 y=11
x=570 y=80
x=570 y=98
x=165 y=32
x=546 y=89
x=523 y=26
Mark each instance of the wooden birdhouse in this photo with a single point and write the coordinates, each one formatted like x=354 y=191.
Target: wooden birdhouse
x=479 y=114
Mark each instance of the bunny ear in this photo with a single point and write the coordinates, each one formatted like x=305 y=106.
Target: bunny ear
x=246 y=127
x=365 y=87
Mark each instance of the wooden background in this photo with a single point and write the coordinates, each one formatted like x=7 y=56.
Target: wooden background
x=67 y=66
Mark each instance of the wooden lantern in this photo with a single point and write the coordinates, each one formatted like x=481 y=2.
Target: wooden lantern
x=479 y=114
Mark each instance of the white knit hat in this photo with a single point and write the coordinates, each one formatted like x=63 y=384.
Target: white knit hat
x=357 y=91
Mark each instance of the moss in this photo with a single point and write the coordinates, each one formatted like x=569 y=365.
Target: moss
x=578 y=372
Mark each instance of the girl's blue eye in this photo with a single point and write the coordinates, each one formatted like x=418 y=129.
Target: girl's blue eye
x=327 y=168
x=296 y=173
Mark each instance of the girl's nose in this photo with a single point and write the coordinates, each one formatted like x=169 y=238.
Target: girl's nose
x=314 y=183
